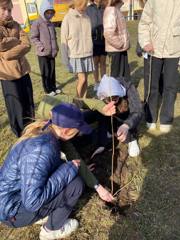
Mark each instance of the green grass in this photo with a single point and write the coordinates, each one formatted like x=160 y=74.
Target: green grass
x=155 y=215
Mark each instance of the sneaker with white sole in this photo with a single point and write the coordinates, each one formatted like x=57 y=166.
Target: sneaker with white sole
x=165 y=128
x=52 y=93
x=151 y=126
x=133 y=149
x=70 y=226
x=58 y=91
x=41 y=221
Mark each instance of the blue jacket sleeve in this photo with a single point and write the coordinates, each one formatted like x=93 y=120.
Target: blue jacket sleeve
x=39 y=184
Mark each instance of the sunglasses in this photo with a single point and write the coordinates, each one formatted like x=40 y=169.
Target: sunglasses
x=115 y=99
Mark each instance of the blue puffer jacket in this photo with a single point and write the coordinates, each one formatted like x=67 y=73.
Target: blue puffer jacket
x=33 y=175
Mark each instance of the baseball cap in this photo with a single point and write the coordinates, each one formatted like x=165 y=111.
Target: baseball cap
x=67 y=115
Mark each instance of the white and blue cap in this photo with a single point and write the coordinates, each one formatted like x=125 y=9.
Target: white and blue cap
x=109 y=87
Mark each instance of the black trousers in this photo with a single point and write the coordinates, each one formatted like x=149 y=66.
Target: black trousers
x=120 y=65
x=47 y=69
x=146 y=79
x=57 y=210
x=168 y=86
x=18 y=96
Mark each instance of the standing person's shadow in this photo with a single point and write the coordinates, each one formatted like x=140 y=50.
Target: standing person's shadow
x=136 y=72
x=155 y=214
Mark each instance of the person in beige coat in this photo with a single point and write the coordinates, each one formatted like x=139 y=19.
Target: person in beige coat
x=159 y=36
x=76 y=44
x=117 y=40
x=14 y=70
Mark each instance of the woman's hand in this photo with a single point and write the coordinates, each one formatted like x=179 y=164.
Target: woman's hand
x=76 y=162
x=122 y=132
x=109 y=109
x=104 y=194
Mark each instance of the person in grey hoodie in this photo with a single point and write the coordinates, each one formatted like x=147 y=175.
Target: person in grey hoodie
x=128 y=113
x=43 y=36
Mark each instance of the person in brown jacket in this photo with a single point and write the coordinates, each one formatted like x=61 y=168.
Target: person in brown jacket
x=117 y=40
x=14 y=70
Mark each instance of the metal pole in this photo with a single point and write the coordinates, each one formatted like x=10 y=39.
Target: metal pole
x=130 y=10
x=28 y=22
x=133 y=9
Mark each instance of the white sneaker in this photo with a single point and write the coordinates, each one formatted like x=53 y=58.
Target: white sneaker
x=70 y=226
x=58 y=91
x=165 y=128
x=151 y=126
x=96 y=85
x=52 y=93
x=133 y=149
x=41 y=221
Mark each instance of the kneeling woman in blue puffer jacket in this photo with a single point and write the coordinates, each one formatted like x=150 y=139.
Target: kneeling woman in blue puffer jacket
x=34 y=180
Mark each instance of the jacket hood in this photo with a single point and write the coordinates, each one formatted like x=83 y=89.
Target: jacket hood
x=75 y=12
x=46 y=5
x=109 y=86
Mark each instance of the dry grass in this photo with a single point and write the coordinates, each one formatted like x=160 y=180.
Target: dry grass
x=155 y=215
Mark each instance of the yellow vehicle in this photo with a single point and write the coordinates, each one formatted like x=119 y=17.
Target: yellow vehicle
x=32 y=7
x=61 y=7
x=31 y=13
